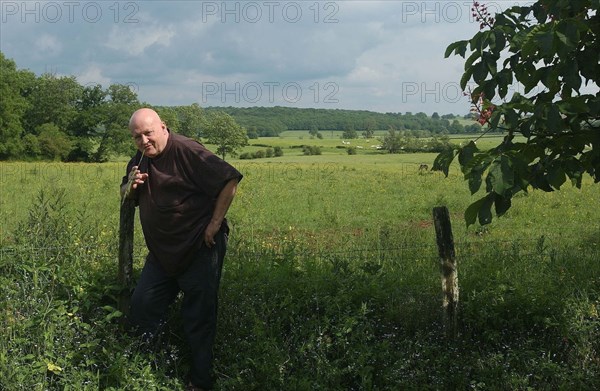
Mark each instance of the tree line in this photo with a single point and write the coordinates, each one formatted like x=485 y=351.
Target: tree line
x=271 y=121
x=54 y=117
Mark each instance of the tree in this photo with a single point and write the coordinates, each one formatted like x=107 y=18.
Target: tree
x=456 y=127
x=53 y=143
x=252 y=132
x=190 y=120
x=88 y=123
x=221 y=130
x=349 y=134
x=53 y=100
x=13 y=105
x=392 y=142
x=369 y=126
x=114 y=139
x=90 y=114
x=170 y=117
x=552 y=49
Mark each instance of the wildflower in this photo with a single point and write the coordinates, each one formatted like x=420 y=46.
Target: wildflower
x=53 y=368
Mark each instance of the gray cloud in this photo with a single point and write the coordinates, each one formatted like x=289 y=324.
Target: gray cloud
x=374 y=55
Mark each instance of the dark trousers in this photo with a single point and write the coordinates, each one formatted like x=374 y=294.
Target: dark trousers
x=156 y=291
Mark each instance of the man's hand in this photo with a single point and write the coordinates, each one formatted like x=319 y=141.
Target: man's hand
x=136 y=179
x=221 y=206
x=209 y=233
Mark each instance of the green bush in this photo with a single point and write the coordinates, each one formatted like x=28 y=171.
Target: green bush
x=260 y=154
x=311 y=150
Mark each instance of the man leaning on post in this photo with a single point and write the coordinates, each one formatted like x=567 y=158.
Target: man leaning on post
x=183 y=192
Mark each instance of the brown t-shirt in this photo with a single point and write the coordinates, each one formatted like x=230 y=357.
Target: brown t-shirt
x=177 y=200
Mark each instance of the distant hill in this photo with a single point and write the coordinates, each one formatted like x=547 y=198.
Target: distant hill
x=270 y=121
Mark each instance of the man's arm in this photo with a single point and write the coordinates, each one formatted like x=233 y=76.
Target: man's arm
x=221 y=207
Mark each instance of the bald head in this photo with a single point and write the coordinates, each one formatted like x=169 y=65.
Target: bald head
x=145 y=116
x=148 y=131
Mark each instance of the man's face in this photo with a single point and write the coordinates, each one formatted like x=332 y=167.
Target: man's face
x=150 y=136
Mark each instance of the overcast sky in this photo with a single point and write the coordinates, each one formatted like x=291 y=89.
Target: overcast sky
x=385 y=56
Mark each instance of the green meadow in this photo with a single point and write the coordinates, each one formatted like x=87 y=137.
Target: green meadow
x=331 y=281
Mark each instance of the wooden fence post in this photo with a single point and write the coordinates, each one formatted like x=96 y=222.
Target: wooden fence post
x=445 y=243
x=125 y=273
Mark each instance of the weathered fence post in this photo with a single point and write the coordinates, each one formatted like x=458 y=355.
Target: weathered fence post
x=445 y=243
x=125 y=273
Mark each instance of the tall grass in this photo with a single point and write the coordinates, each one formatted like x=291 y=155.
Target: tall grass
x=331 y=282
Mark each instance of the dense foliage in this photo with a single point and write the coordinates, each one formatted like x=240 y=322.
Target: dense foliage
x=53 y=117
x=551 y=48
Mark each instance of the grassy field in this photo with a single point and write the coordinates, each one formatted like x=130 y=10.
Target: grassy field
x=331 y=281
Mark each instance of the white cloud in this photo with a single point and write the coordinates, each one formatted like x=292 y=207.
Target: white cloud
x=92 y=75
x=135 y=40
x=48 y=44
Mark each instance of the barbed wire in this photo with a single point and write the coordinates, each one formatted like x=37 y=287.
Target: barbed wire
x=543 y=242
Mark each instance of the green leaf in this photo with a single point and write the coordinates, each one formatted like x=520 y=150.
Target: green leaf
x=495 y=119
x=568 y=35
x=459 y=47
x=545 y=43
x=465 y=78
x=469 y=62
x=472 y=211
x=502 y=204
x=474 y=180
x=574 y=170
x=504 y=78
x=489 y=88
x=481 y=209
x=554 y=122
x=500 y=40
x=528 y=76
x=556 y=176
x=474 y=169
x=485 y=211
x=465 y=154
x=480 y=71
x=501 y=176
x=443 y=160
x=573 y=105
x=476 y=42
x=540 y=13
x=511 y=118
x=571 y=76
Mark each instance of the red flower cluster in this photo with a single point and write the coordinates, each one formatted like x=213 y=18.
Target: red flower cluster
x=482 y=110
x=486 y=114
x=482 y=15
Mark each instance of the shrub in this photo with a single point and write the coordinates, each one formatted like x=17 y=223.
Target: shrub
x=311 y=150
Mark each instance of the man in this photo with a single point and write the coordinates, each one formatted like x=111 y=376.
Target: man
x=183 y=192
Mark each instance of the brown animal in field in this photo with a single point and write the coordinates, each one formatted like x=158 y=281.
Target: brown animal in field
x=423 y=167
